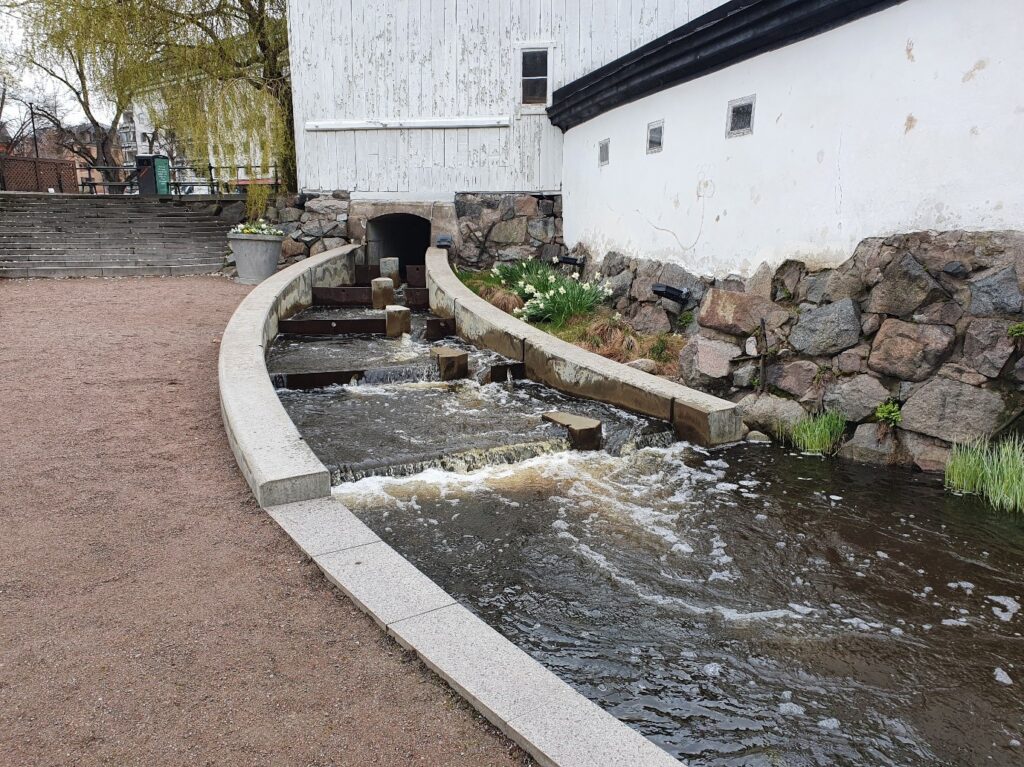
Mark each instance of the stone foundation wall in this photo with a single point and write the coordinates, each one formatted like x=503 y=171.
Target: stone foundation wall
x=487 y=227
x=920 y=319
x=311 y=223
x=508 y=227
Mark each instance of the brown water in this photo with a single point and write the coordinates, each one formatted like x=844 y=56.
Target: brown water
x=747 y=607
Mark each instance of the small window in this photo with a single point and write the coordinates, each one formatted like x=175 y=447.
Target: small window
x=655 y=136
x=740 y=120
x=535 y=76
x=602 y=152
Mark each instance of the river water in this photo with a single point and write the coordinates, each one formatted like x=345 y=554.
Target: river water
x=749 y=606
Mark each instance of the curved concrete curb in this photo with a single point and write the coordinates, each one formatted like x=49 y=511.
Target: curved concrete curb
x=694 y=415
x=274 y=459
x=552 y=722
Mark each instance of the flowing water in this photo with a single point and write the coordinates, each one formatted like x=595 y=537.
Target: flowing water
x=744 y=607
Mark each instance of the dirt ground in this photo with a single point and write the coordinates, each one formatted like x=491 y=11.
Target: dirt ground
x=150 y=613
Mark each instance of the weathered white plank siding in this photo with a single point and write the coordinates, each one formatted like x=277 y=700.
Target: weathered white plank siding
x=362 y=60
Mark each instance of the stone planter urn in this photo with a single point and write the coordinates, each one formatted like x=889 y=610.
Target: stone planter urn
x=256 y=255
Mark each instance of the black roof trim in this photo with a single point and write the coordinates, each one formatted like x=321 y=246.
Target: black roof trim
x=733 y=32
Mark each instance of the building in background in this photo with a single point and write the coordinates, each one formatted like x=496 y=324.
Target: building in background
x=715 y=135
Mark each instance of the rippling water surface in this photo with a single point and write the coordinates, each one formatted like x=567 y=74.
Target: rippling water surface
x=746 y=607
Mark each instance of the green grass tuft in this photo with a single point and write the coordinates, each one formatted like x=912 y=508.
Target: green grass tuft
x=993 y=470
x=1016 y=330
x=819 y=433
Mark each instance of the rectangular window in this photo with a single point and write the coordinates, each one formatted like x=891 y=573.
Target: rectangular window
x=655 y=136
x=535 y=76
x=740 y=117
x=602 y=152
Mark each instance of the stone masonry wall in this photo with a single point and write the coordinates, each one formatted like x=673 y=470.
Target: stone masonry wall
x=491 y=227
x=508 y=227
x=920 y=319
x=311 y=223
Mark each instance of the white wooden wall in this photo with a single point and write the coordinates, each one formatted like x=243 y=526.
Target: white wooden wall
x=442 y=64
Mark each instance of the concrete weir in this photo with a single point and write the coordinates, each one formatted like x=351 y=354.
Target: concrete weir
x=694 y=415
x=556 y=725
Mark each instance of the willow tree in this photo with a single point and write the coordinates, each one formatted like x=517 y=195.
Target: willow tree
x=95 y=53
x=220 y=80
x=214 y=73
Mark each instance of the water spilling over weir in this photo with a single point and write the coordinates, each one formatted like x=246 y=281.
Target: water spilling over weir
x=743 y=607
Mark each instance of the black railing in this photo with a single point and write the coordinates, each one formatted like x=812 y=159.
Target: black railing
x=185 y=180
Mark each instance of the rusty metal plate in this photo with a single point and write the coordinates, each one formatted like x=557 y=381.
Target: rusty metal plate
x=438 y=328
x=362 y=325
x=342 y=297
x=366 y=273
x=417 y=298
x=316 y=380
x=416 y=276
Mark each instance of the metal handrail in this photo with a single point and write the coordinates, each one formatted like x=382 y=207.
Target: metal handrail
x=213 y=182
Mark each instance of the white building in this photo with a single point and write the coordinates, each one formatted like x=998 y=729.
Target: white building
x=706 y=133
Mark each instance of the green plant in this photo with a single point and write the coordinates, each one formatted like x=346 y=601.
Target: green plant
x=659 y=349
x=819 y=433
x=259 y=226
x=889 y=413
x=993 y=470
x=562 y=300
x=1016 y=330
x=685 y=320
x=256 y=198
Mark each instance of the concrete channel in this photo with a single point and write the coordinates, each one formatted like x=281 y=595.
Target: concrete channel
x=530 y=704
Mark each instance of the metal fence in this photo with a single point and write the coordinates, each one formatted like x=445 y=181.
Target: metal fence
x=185 y=179
x=29 y=174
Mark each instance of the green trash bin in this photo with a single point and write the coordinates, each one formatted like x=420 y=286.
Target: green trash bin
x=154 y=174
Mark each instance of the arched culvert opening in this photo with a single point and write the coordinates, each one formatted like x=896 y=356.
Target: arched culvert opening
x=398 y=235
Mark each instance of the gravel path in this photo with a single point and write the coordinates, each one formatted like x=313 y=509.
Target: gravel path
x=150 y=613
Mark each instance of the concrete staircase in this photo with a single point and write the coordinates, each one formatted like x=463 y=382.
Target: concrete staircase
x=97 y=236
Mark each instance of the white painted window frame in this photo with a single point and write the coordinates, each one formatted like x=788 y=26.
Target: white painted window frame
x=752 y=100
x=606 y=143
x=647 y=136
x=519 y=49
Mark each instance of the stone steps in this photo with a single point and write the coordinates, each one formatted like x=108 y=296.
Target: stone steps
x=59 y=272
x=86 y=236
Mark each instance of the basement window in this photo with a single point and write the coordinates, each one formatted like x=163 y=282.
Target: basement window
x=655 y=136
x=602 y=151
x=740 y=117
x=535 y=76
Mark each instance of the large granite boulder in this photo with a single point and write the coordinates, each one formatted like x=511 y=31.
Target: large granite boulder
x=614 y=263
x=650 y=319
x=739 y=314
x=953 y=411
x=509 y=232
x=794 y=378
x=327 y=208
x=828 y=329
x=855 y=397
x=909 y=351
x=677 y=277
x=905 y=286
x=760 y=282
x=871 y=444
x=704 y=361
x=988 y=346
x=647 y=273
x=996 y=292
x=768 y=413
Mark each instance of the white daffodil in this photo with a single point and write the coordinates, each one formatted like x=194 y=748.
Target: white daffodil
x=554 y=259
x=561 y=290
x=575 y=275
x=551 y=278
x=616 y=316
x=597 y=276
